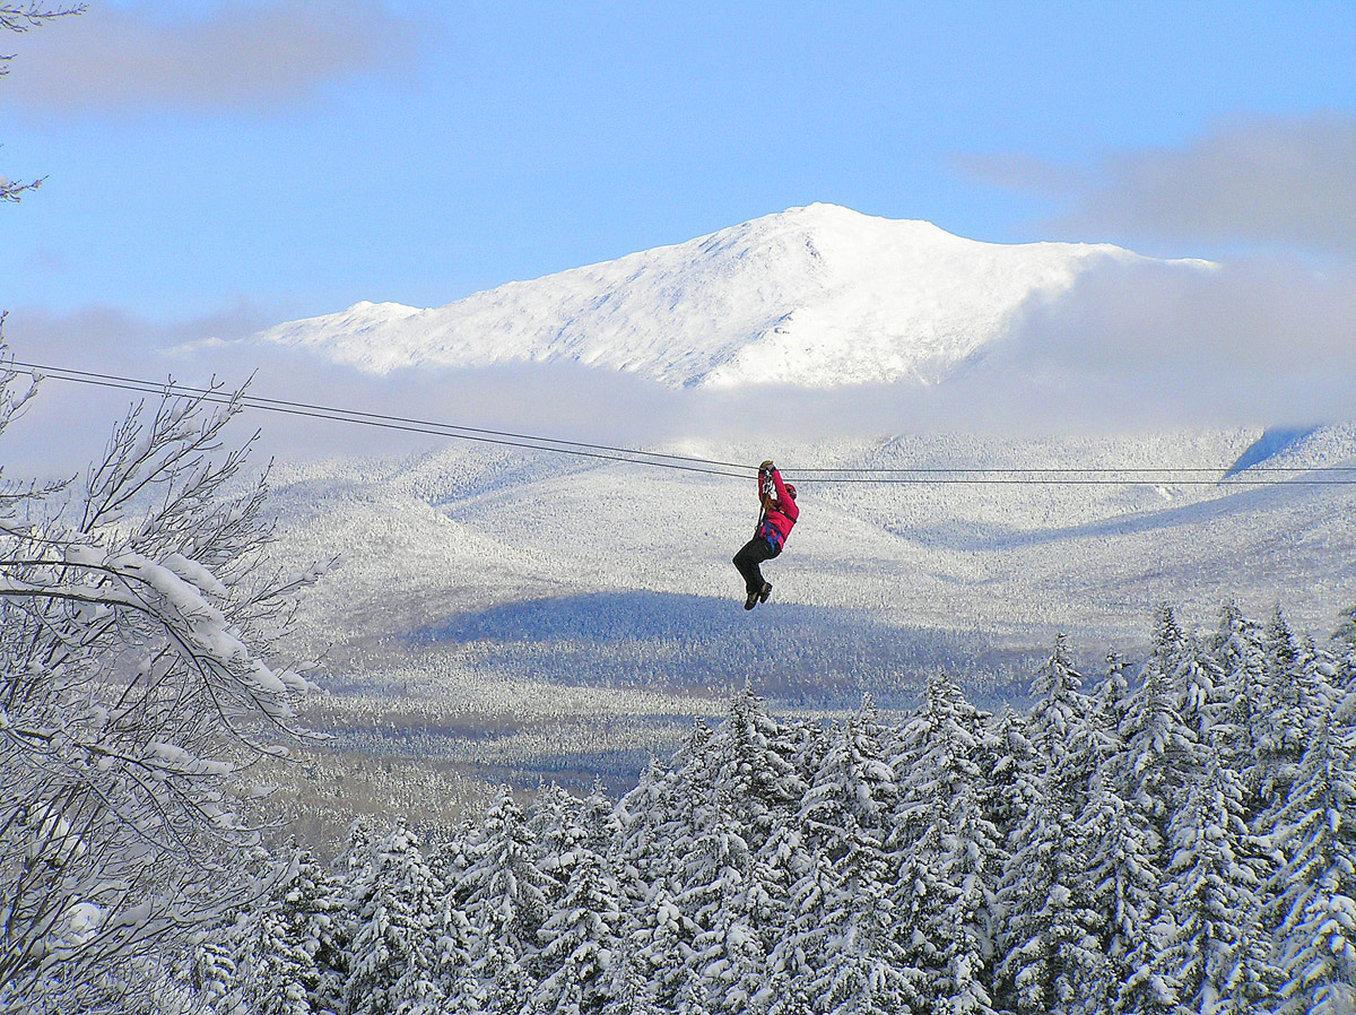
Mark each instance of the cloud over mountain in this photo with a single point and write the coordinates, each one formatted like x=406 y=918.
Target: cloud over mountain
x=813 y=297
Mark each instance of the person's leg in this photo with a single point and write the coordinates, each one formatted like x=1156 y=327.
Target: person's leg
x=750 y=555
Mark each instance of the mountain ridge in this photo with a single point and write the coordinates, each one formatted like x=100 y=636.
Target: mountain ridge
x=815 y=296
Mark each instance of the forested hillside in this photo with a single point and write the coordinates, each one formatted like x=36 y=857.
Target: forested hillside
x=1170 y=836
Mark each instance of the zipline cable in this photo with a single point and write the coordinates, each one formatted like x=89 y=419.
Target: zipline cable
x=261 y=401
x=220 y=398
x=921 y=475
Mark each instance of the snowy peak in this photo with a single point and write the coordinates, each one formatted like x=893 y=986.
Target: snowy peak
x=816 y=296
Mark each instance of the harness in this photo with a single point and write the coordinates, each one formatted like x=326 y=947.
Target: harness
x=771 y=533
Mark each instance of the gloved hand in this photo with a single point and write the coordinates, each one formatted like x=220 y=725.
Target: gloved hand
x=766 y=466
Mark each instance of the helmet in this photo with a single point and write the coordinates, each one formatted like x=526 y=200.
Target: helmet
x=791 y=489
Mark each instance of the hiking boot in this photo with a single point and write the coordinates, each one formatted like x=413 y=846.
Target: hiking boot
x=767 y=591
x=751 y=601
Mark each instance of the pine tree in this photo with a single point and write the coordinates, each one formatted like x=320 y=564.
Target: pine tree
x=1124 y=881
x=506 y=905
x=631 y=991
x=1006 y=759
x=1059 y=728
x=949 y=854
x=213 y=973
x=755 y=770
x=1052 y=953
x=801 y=949
x=1212 y=889
x=555 y=822
x=1344 y=648
x=579 y=938
x=455 y=954
x=789 y=996
x=1050 y=948
x=394 y=951
x=1317 y=886
x=643 y=853
x=780 y=865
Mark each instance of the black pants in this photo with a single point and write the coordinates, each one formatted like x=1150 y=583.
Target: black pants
x=753 y=553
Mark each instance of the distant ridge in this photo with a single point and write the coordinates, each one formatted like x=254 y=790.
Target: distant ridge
x=817 y=296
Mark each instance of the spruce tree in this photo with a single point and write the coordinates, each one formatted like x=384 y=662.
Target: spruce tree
x=725 y=900
x=1125 y=882
x=1242 y=662
x=949 y=855
x=282 y=941
x=1212 y=888
x=1158 y=744
x=865 y=968
x=1286 y=722
x=579 y=938
x=854 y=782
x=661 y=943
x=755 y=770
x=1050 y=932
x=506 y=904
x=1317 y=886
x=394 y=958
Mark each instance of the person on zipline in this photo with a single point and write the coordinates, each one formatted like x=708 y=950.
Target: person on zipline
x=774 y=525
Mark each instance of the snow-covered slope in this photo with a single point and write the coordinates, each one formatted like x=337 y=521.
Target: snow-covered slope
x=816 y=296
x=449 y=532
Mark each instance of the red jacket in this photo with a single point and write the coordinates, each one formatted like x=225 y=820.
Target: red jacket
x=779 y=514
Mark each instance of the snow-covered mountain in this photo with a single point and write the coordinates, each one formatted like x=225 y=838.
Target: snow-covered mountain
x=816 y=296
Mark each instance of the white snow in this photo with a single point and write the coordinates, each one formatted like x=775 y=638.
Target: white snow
x=816 y=296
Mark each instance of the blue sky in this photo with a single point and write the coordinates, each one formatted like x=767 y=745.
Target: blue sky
x=291 y=158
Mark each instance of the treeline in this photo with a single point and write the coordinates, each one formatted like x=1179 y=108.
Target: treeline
x=1171 y=840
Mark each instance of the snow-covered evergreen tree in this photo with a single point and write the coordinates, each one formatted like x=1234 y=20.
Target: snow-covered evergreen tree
x=1159 y=746
x=1286 y=719
x=949 y=856
x=1242 y=663
x=394 y=959
x=755 y=770
x=864 y=966
x=1316 y=888
x=579 y=939
x=506 y=906
x=661 y=941
x=282 y=963
x=853 y=782
x=727 y=901
x=1212 y=887
x=1052 y=953
x=1124 y=881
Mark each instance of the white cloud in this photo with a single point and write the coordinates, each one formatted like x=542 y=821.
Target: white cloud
x=1279 y=183
x=257 y=55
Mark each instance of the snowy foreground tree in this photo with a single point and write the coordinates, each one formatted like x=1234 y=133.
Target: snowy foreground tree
x=1171 y=843
x=140 y=631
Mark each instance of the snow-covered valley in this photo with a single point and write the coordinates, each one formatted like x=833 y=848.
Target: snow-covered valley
x=474 y=579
